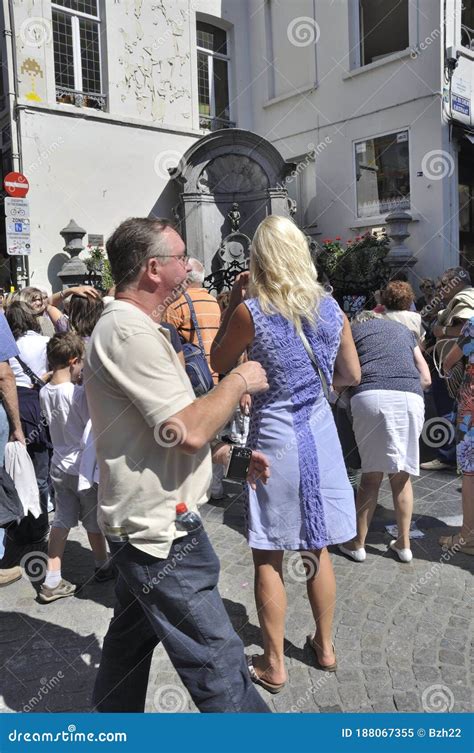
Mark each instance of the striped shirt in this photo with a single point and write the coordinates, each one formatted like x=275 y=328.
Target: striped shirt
x=208 y=315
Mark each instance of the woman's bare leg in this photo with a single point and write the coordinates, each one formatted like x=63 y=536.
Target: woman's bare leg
x=402 y=493
x=366 y=502
x=321 y=588
x=270 y=597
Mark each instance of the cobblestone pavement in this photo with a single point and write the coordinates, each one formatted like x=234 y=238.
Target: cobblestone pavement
x=403 y=633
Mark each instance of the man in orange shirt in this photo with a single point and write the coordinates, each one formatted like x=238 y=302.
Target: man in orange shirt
x=208 y=313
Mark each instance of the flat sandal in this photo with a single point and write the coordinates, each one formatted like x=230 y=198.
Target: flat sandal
x=330 y=667
x=449 y=542
x=271 y=687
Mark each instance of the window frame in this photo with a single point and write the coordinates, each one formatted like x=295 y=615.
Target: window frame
x=75 y=16
x=391 y=132
x=355 y=43
x=459 y=26
x=211 y=55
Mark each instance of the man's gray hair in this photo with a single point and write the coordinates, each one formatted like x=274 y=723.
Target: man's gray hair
x=457 y=273
x=132 y=243
x=197 y=273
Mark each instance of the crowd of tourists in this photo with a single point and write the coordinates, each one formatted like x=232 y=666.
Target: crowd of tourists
x=131 y=410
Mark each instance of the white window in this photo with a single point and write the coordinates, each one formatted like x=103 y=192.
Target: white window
x=382 y=29
x=77 y=52
x=382 y=174
x=213 y=77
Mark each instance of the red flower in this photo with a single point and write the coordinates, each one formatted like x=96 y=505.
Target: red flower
x=338 y=237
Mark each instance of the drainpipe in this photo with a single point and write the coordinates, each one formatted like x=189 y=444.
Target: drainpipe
x=22 y=266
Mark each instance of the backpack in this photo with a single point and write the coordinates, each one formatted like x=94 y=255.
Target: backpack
x=195 y=360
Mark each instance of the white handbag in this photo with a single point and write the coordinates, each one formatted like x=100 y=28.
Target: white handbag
x=19 y=467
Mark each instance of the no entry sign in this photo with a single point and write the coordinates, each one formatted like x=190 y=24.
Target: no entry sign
x=16 y=184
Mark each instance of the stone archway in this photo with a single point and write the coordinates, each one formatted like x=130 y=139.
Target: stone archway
x=228 y=181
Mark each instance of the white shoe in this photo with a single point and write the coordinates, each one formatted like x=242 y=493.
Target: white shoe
x=404 y=555
x=437 y=465
x=358 y=555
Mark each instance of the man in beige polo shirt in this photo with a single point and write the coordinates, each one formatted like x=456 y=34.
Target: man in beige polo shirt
x=152 y=440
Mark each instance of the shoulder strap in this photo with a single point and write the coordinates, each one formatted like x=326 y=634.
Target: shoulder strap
x=30 y=373
x=195 y=322
x=315 y=364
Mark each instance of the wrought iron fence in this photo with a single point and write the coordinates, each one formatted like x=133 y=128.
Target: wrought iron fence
x=222 y=279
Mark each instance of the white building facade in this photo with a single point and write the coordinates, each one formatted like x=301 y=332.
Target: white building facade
x=371 y=99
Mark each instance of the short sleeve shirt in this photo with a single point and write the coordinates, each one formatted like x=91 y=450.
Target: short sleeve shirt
x=8 y=346
x=385 y=351
x=134 y=383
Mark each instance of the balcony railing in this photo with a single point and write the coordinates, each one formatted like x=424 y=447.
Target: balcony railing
x=214 y=124
x=81 y=99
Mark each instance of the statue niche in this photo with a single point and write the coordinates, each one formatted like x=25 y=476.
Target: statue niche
x=232 y=173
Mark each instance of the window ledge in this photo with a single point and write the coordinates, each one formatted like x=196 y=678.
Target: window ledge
x=378 y=220
x=378 y=63
x=288 y=95
x=90 y=113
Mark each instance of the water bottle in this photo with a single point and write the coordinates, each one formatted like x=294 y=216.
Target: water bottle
x=186 y=520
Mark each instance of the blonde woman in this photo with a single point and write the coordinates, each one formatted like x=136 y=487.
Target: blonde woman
x=308 y=503
x=50 y=318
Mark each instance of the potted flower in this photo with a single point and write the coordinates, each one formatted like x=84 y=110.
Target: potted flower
x=356 y=270
x=99 y=266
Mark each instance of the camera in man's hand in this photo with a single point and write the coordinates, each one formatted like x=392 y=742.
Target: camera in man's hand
x=239 y=463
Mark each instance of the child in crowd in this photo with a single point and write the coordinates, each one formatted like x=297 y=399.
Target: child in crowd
x=63 y=402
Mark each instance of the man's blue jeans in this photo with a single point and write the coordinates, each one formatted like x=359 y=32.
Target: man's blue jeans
x=174 y=601
x=4 y=434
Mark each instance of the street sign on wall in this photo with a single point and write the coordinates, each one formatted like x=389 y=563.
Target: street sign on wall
x=17 y=225
x=16 y=185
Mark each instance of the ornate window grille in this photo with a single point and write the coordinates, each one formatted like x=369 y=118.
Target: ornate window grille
x=213 y=77
x=77 y=53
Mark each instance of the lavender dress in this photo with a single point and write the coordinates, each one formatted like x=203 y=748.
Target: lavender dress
x=308 y=502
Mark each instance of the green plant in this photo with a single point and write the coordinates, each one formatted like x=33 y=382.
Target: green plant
x=98 y=263
x=359 y=267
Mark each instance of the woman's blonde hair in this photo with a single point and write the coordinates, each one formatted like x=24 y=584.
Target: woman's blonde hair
x=282 y=274
x=26 y=295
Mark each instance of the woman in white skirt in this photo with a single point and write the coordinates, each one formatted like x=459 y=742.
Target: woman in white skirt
x=388 y=416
